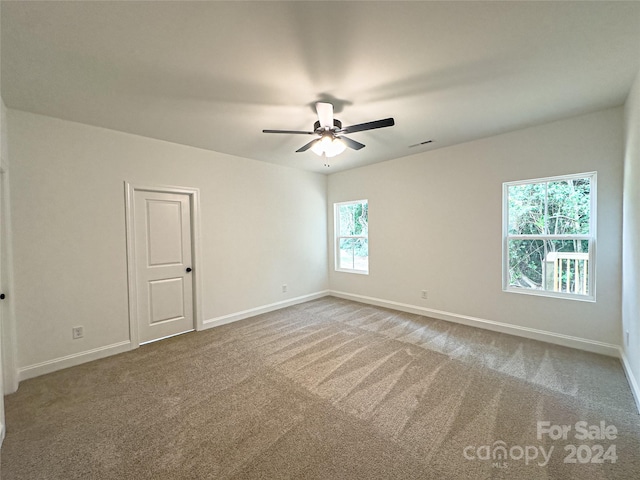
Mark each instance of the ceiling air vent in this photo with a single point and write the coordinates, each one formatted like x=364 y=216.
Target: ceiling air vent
x=421 y=143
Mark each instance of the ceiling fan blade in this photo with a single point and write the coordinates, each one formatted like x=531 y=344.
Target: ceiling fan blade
x=288 y=131
x=352 y=143
x=387 y=122
x=306 y=147
x=325 y=114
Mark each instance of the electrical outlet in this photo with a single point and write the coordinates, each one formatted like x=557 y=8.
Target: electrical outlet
x=78 y=332
x=284 y=289
x=424 y=294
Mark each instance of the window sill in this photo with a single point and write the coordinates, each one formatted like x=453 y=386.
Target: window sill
x=543 y=293
x=358 y=272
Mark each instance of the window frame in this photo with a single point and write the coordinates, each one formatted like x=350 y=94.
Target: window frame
x=591 y=238
x=338 y=237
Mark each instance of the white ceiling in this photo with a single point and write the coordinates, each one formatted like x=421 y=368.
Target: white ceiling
x=214 y=74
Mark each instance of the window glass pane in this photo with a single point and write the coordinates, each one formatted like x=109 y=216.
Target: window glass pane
x=567 y=266
x=569 y=206
x=526 y=259
x=361 y=257
x=354 y=254
x=526 y=209
x=347 y=253
x=354 y=219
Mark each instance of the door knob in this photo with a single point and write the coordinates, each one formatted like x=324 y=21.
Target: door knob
x=2 y=296
x=188 y=269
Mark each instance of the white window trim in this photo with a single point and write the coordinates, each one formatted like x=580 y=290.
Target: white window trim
x=591 y=237
x=337 y=237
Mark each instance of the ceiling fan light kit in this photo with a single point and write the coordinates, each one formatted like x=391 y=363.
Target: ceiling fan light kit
x=331 y=141
x=328 y=146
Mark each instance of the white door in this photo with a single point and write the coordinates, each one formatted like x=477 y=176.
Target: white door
x=2 y=326
x=163 y=249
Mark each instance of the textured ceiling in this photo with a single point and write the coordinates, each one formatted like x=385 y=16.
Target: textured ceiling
x=214 y=74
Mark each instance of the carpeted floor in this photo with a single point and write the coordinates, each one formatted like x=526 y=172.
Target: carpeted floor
x=329 y=389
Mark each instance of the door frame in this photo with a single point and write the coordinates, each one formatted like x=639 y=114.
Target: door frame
x=8 y=337
x=194 y=201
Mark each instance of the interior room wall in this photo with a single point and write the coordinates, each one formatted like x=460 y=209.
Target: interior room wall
x=435 y=224
x=262 y=226
x=631 y=240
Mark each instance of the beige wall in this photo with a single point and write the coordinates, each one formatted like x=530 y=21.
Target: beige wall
x=262 y=226
x=435 y=224
x=631 y=236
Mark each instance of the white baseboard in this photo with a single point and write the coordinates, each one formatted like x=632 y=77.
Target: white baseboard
x=532 y=333
x=234 y=317
x=108 y=350
x=633 y=383
x=12 y=385
x=72 y=360
x=526 y=332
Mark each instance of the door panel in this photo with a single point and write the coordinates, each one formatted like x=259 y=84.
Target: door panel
x=166 y=299
x=162 y=223
x=164 y=236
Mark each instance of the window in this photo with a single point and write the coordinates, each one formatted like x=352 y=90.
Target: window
x=352 y=236
x=549 y=233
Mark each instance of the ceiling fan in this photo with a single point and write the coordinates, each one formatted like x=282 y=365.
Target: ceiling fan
x=331 y=140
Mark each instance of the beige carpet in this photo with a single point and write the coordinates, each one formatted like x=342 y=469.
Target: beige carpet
x=329 y=389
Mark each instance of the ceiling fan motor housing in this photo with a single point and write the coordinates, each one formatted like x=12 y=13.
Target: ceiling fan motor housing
x=337 y=125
